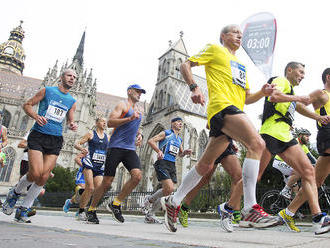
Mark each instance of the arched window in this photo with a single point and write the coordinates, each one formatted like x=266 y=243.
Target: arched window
x=164 y=68
x=169 y=100
x=202 y=143
x=6 y=118
x=193 y=143
x=24 y=123
x=177 y=68
x=160 y=100
x=5 y=172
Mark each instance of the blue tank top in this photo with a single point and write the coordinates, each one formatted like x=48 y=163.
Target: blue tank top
x=97 y=149
x=54 y=107
x=170 y=146
x=124 y=135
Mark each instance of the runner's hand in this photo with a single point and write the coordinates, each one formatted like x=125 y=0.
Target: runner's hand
x=306 y=100
x=267 y=89
x=324 y=119
x=160 y=155
x=197 y=96
x=187 y=152
x=73 y=126
x=41 y=120
x=134 y=116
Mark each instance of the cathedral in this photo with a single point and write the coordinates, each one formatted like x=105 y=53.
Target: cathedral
x=171 y=98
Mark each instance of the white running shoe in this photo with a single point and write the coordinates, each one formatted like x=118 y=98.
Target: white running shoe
x=225 y=218
x=151 y=219
x=146 y=205
x=323 y=226
x=257 y=217
x=81 y=216
x=171 y=212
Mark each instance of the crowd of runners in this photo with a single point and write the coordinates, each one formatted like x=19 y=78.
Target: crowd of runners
x=228 y=92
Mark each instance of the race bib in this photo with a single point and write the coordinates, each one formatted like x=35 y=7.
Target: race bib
x=173 y=150
x=238 y=74
x=99 y=156
x=291 y=110
x=56 y=111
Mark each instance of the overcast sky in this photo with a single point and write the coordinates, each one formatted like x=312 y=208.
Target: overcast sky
x=124 y=39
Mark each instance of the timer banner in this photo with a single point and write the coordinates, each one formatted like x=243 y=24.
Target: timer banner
x=258 y=41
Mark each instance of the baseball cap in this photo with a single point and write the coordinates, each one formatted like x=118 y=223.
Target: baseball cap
x=176 y=119
x=136 y=86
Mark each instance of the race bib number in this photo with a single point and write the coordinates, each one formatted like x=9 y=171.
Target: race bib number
x=56 y=111
x=291 y=110
x=238 y=74
x=173 y=150
x=99 y=156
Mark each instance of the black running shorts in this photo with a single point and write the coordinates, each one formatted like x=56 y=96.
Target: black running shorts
x=276 y=146
x=47 y=144
x=229 y=151
x=129 y=158
x=216 y=122
x=165 y=170
x=323 y=141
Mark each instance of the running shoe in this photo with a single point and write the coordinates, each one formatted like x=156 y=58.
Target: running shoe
x=92 y=217
x=286 y=192
x=81 y=216
x=288 y=220
x=323 y=226
x=171 y=212
x=31 y=212
x=21 y=215
x=236 y=218
x=225 y=218
x=257 y=217
x=9 y=204
x=67 y=205
x=151 y=219
x=116 y=212
x=146 y=205
x=183 y=217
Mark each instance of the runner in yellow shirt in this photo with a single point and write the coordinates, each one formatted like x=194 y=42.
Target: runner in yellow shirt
x=228 y=91
x=278 y=117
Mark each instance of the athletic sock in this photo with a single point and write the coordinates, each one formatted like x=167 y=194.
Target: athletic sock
x=22 y=184
x=158 y=194
x=250 y=175
x=116 y=202
x=155 y=206
x=185 y=207
x=228 y=208
x=189 y=182
x=81 y=210
x=288 y=212
x=31 y=195
x=91 y=209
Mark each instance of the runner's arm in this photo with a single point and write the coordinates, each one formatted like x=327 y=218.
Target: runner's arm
x=114 y=117
x=70 y=118
x=153 y=141
x=266 y=90
x=28 y=107
x=318 y=98
x=279 y=96
x=303 y=110
x=87 y=137
x=4 y=138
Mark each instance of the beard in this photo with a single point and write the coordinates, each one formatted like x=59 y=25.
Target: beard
x=66 y=86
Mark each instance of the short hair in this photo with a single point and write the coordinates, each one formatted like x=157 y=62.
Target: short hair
x=226 y=29
x=66 y=71
x=98 y=119
x=292 y=65
x=324 y=75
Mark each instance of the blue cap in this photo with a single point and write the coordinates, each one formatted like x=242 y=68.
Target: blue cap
x=176 y=119
x=136 y=86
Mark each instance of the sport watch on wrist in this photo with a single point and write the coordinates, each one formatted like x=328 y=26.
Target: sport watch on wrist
x=192 y=86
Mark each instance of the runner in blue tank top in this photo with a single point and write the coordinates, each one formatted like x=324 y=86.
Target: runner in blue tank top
x=93 y=165
x=45 y=140
x=169 y=146
x=3 y=142
x=125 y=119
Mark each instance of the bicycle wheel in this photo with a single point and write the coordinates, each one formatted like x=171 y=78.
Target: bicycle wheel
x=273 y=202
x=324 y=200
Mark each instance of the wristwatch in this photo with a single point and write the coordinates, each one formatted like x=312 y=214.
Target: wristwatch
x=192 y=86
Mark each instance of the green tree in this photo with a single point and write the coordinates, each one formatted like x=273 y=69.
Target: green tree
x=63 y=180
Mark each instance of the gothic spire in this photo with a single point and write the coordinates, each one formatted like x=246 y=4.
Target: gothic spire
x=80 y=51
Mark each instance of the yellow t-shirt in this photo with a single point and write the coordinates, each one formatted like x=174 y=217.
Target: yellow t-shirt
x=325 y=110
x=279 y=129
x=225 y=76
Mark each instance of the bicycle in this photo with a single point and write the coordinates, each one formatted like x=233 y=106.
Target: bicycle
x=273 y=202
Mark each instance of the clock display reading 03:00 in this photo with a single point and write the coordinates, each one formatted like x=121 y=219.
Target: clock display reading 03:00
x=258 y=43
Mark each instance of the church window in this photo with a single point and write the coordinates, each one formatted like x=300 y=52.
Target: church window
x=202 y=143
x=5 y=172
x=24 y=123
x=6 y=118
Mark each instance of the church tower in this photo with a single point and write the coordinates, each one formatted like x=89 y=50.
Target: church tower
x=12 y=55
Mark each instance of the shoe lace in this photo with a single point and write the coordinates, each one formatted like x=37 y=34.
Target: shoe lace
x=260 y=209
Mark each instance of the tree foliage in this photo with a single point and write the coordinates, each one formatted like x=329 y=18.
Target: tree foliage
x=63 y=180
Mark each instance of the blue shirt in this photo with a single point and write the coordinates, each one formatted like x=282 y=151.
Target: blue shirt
x=97 y=149
x=54 y=107
x=170 y=146
x=124 y=135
